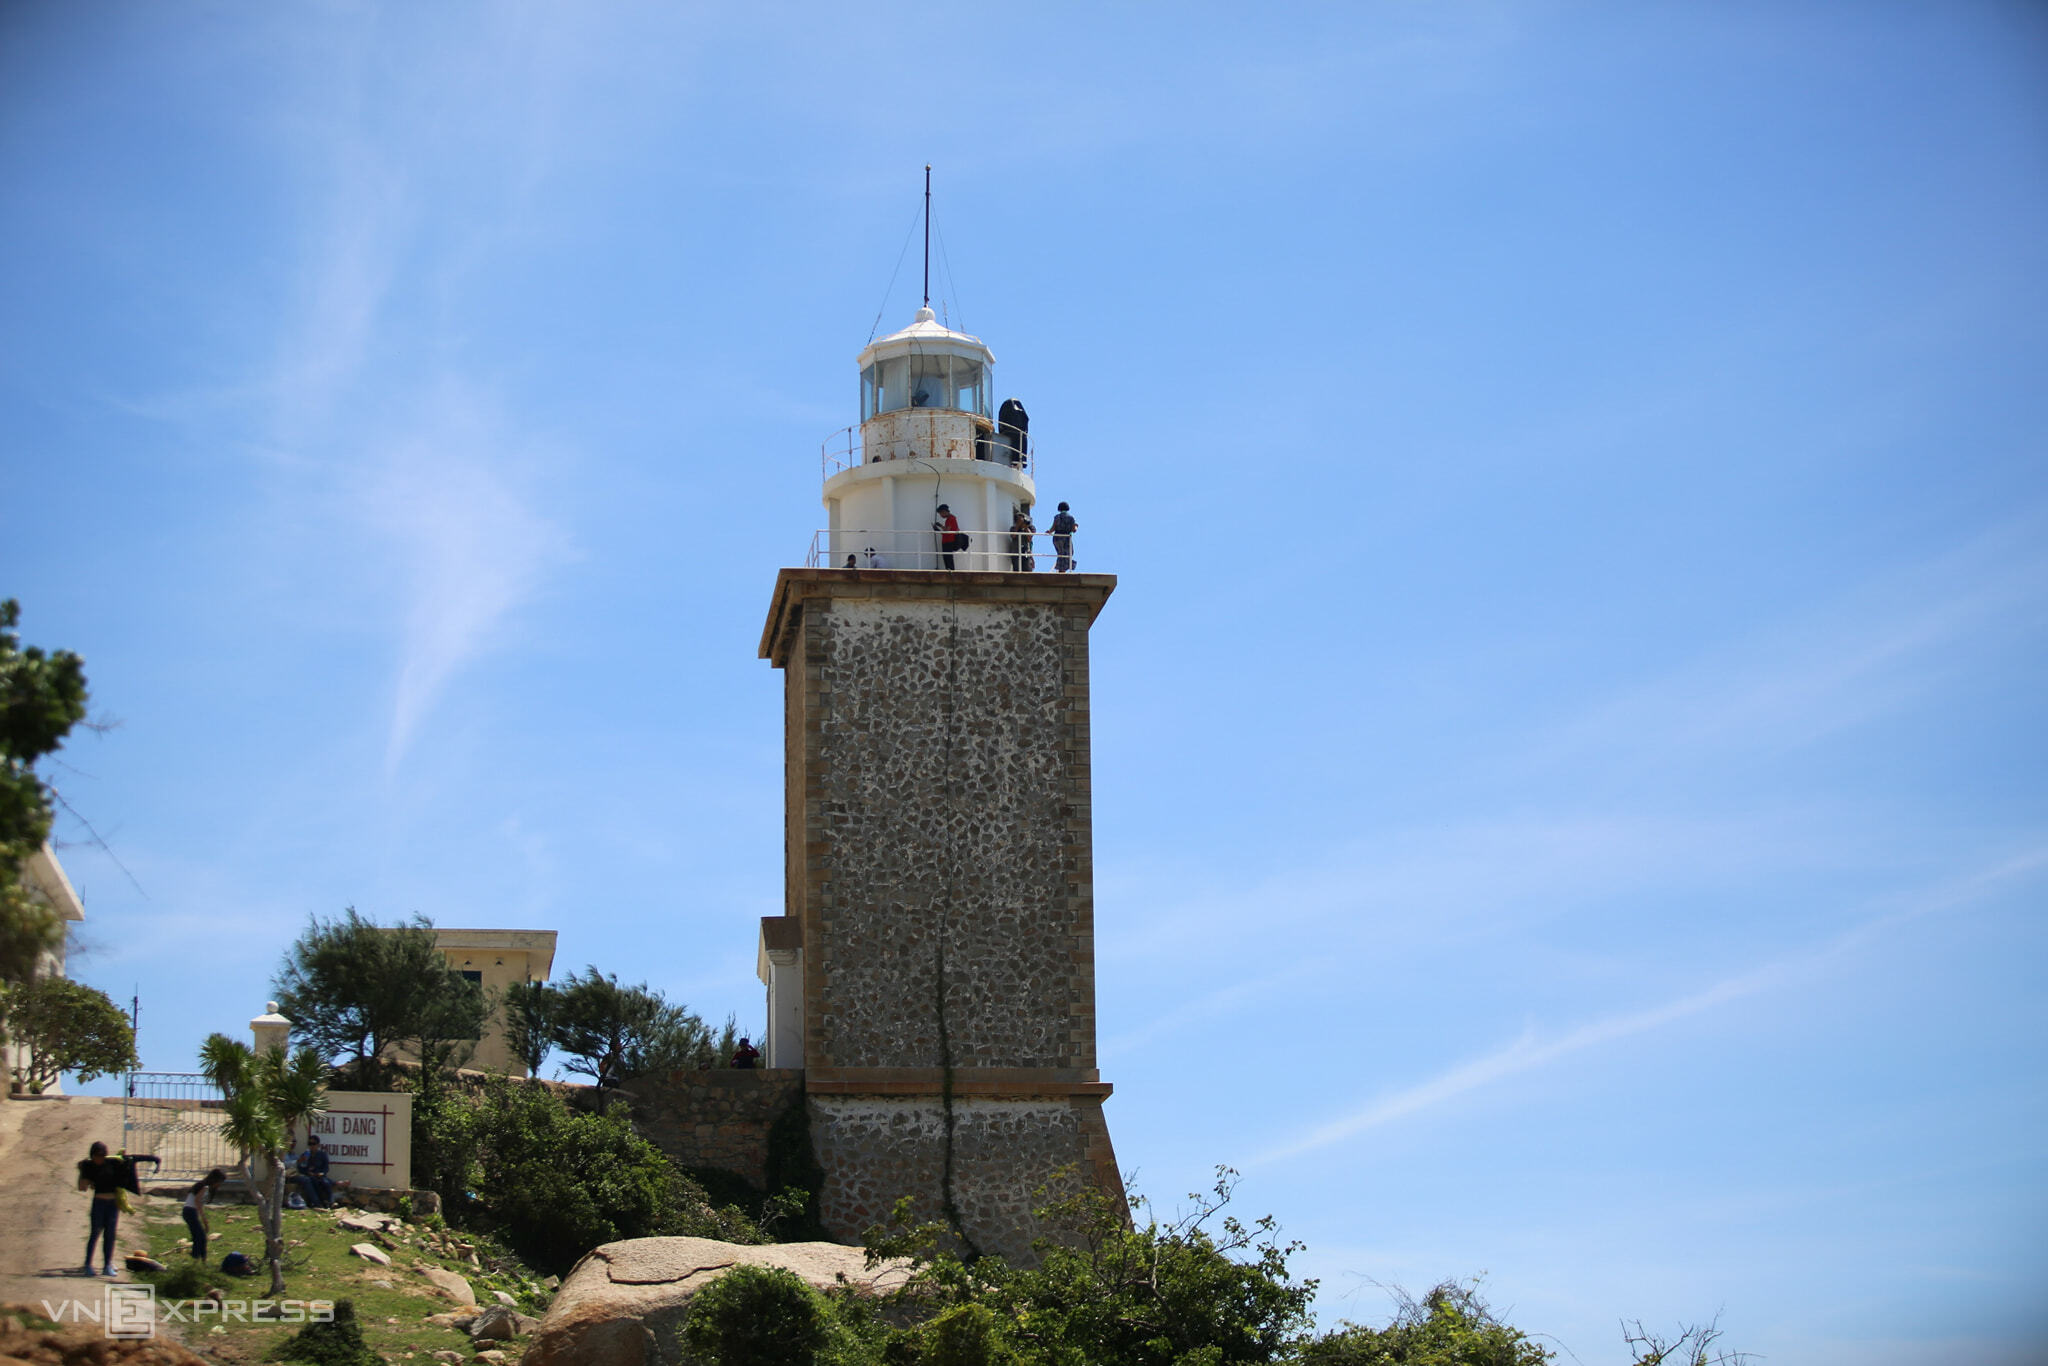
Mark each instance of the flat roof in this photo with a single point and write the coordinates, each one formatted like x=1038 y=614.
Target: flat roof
x=541 y=942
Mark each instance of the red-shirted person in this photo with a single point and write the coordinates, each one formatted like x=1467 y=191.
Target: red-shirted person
x=950 y=536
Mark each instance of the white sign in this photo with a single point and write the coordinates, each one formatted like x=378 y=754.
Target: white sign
x=353 y=1138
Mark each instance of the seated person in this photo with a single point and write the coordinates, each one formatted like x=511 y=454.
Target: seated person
x=312 y=1165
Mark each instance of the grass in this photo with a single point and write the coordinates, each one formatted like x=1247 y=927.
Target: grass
x=391 y=1302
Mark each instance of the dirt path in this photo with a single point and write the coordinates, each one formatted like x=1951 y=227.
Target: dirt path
x=42 y=1213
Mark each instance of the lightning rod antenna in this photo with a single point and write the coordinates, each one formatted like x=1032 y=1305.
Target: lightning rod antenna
x=927 y=234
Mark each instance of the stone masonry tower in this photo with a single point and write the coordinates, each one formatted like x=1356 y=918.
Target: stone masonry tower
x=934 y=972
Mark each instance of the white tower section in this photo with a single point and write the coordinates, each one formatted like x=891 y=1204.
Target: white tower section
x=926 y=439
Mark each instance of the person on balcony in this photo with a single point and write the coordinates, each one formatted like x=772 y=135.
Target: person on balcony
x=951 y=538
x=1014 y=424
x=1021 y=531
x=1063 y=528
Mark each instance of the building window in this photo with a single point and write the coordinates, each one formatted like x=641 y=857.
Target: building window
x=472 y=975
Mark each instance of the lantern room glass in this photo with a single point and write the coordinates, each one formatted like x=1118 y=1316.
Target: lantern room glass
x=924 y=380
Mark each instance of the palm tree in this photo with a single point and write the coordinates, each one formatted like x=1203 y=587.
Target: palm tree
x=267 y=1098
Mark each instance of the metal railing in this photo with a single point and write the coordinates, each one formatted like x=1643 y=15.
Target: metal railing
x=1009 y=552
x=176 y=1116
x=842 y=451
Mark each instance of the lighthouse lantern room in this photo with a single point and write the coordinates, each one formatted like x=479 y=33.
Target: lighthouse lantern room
x=930 y=445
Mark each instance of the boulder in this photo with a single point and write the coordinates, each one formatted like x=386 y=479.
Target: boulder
x=505 y=1299
x=459 y=1322
x=450 y=1284
x=367 y=1223
x=497 y=1324
x=370 y=1253
x=621 y=1304
x=492 y=1357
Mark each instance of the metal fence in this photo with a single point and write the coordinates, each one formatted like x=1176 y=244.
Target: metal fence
x=1009 y=552
x=842 y=450
x=177 y=1117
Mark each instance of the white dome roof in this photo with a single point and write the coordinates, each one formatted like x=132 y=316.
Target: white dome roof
x=926 y=333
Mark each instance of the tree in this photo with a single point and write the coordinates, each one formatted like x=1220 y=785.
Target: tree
x=1450 y=1326
x=528 y=1009
x=42 y=696
x=1106 y=1290
x=268 y=1097
x=1690 y=1348
x=609 y=1032
x=65 y=1026
x=556 y=1182
x=444 y=1030
x=757 y=1316
x=354 y=988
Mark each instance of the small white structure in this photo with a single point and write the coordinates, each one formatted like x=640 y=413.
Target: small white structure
x=780 y=965
x=929 y=438
x=270 y=1032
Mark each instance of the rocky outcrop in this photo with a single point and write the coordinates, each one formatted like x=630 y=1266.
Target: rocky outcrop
x=622 y=1304
x=449 y=1284
x=499 y=1324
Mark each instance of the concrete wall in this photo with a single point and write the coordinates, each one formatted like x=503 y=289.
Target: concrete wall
x=941 y=788
x=368 y=1135
x=1009 y=1157
x=718 y=1119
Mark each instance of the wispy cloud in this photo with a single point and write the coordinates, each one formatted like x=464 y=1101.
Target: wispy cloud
x=375 y=390
x=1531 y=1051
x=471 y=546
x=1819 y=670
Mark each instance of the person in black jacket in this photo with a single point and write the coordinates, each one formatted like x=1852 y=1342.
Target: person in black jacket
x=106 y=1176
x=312 y=1166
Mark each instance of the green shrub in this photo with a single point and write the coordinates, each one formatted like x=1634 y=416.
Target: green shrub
x=1450 y=1326
x=189 y=1281
x=965 y=1335
x=337 y=1342
x=757 y=1316
x=443 y=1144
x=555 y=1182
x=1202 y=1291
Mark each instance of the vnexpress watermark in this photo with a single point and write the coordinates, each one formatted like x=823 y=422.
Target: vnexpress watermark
x=133 y=1311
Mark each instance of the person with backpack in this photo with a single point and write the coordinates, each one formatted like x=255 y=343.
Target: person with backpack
x=951 y=538
x=1063 y=528
x=196 y=1201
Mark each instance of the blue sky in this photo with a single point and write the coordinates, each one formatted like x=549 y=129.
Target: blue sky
x=1569 y=739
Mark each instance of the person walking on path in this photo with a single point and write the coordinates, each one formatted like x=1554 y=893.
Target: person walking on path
x=196 y=1201
x=1063 y=528
x=105 y=1177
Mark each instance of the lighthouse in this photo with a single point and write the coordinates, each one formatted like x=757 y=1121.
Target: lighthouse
x=933 y=973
